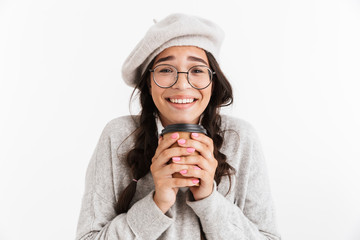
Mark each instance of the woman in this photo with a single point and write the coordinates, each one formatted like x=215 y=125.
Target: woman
x=130 y=192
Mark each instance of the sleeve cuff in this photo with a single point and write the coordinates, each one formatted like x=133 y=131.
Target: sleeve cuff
x=146 y=220
x=210 y=208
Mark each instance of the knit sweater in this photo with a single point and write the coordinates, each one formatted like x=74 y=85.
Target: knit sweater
x=245 y=212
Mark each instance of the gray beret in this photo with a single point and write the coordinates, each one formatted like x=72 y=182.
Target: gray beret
x=174 y=30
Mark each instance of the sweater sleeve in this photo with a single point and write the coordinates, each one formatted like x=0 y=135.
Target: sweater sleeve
x=98 y=219
x=224 y=219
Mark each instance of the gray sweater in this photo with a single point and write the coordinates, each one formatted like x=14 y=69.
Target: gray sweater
x=246 y=212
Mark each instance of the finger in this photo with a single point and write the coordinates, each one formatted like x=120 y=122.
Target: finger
x=196 y=160
x=174 y=168
x=177 y=182
x=202 y=148
x=204 y=139
x=196 y=172
x=184 y=182
x=166 y=155
x=165 y=142
x=192 y=171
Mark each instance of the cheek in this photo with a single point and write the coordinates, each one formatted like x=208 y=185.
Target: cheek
x=152 y=90
x=207 y=94
x=156 y=94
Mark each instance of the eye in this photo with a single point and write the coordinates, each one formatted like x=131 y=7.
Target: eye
x=165 y=70
x=198 y=70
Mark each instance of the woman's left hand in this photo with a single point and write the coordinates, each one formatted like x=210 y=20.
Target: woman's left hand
x=204 y=164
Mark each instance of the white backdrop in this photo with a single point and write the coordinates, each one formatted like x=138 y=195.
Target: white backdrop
x=294 y=66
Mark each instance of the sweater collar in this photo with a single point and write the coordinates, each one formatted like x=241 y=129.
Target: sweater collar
x=160 y=127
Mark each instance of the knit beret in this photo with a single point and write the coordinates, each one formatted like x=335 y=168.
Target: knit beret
x=174 y=30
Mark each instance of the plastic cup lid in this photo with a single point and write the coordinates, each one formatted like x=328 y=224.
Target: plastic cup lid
x=184 y=127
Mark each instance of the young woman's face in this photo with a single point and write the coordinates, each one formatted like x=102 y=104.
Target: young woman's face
x=167 y=100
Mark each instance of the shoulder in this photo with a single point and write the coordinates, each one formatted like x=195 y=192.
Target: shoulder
x=238 y=133
x=129 y=121
x=238 y=125
x=120 y=127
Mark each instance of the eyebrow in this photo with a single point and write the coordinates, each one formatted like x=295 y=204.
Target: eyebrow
x=196 y=59
x=168 y=58
x=190 y=58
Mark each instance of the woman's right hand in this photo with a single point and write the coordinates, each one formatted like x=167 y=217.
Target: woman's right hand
x=166 y=187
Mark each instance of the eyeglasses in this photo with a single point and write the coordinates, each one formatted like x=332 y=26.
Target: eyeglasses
x=166 y=76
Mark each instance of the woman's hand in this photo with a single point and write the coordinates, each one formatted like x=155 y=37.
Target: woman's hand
x=203 y=166
x=166 y=187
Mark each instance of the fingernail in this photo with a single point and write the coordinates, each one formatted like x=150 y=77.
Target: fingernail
x=195 y=135
x=197 y=168
x=181 y=141
x=183 y=171
x=195 y=181
x=190 y=150
x=176 y=159
x=174 y=135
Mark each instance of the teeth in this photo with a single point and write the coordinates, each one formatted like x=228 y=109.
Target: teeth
x=182 y=100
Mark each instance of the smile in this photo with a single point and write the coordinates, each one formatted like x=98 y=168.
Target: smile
x=181 y=101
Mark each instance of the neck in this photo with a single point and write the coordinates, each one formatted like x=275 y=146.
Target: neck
x=166 y=122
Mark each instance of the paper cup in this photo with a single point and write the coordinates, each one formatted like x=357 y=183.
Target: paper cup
x=184 y=131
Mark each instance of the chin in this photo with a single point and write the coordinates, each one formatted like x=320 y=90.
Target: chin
x=185 y=120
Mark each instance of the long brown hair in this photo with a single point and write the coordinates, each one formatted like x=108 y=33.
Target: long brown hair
x=139 y=158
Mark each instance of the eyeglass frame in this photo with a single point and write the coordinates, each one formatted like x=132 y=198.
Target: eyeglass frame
x=187 y=75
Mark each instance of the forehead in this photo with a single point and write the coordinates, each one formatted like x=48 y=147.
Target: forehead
x=182 y=52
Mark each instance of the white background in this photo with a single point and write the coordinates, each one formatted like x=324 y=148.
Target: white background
x=294 y=66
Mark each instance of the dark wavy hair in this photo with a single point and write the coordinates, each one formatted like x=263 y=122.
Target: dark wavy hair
x=146 y=137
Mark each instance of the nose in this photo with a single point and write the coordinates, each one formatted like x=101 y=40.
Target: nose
x=182 y=82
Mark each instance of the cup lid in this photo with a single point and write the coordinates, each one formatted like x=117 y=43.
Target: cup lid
x=184 y=127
